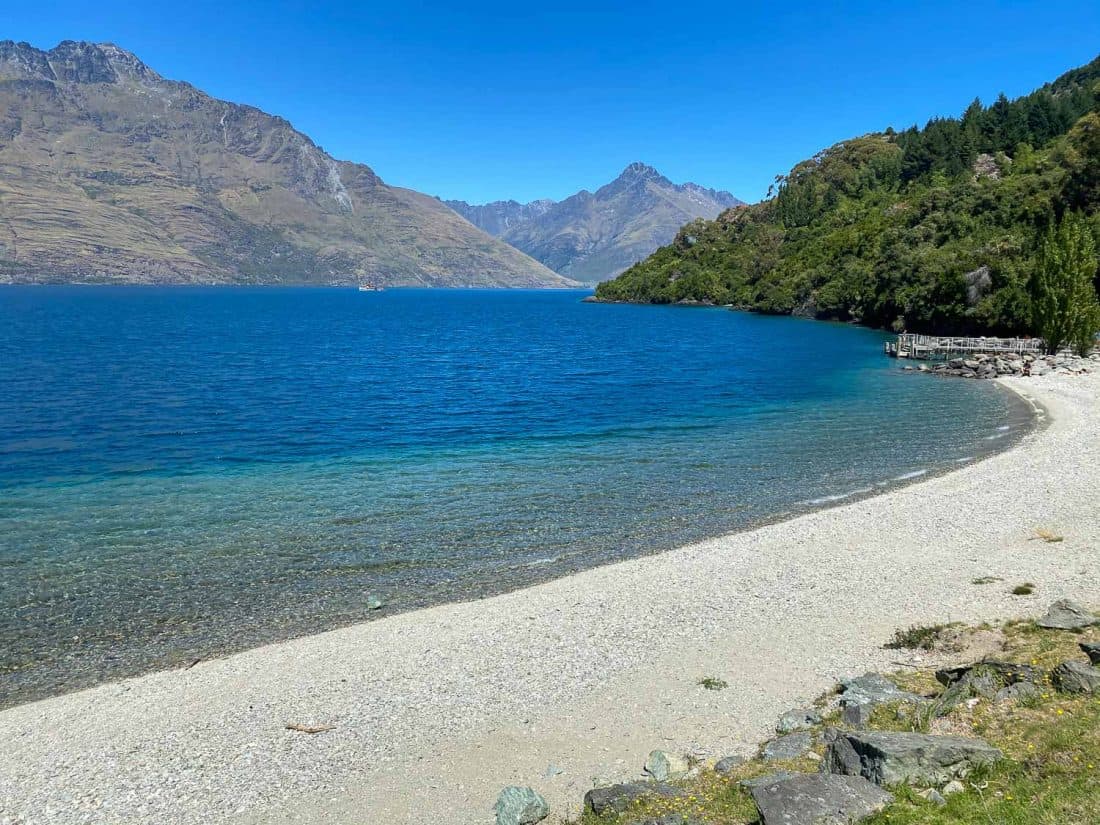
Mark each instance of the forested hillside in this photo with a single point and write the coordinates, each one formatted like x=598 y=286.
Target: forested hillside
x=934 y=229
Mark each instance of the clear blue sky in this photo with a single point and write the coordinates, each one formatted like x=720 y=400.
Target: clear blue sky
x=491 y=100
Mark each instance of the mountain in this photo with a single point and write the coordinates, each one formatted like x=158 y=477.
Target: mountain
x=931 y=229
x=498 y=217
x=592 y=236
x=111 y=173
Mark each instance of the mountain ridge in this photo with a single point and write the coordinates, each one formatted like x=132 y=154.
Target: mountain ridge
x=111 y=173
x=590 y=236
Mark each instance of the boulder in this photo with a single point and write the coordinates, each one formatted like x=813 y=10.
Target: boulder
x=798 y=719
x=953 y=787
x=820 y=799
x=888 y=758
x=749 y=784
x=1007 y=673
x=791 y=746
x=872 y=688
x=520 y=806
x=1018 y=691
x=1076 y=677
x=617 y=798
x=1067 y=615
x=857 y=716
x=1092 y=650
x=933 y=796
x=728 y=764
x=661 y=766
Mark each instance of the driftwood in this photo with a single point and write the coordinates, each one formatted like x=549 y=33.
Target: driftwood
x=309 y=728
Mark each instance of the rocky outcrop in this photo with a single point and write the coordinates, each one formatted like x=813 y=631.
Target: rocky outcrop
x=791 y=746
x=889 y=758
x=817 y=799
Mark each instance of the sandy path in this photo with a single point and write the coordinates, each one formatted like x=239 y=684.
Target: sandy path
x=435 y=710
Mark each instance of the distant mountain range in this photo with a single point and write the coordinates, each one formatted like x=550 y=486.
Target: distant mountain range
x=111 y=173
x=594 y=236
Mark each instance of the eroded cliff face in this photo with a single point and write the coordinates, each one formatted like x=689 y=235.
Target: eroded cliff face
x=110 y=172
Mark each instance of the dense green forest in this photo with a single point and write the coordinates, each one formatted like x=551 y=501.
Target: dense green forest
x=935 y=229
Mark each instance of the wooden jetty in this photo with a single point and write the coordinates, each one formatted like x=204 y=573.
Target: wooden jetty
x=932 y=347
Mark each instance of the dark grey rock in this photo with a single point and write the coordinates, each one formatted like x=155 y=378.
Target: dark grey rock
x=520 y=806
x=888 y=758
x=1067 y=615
x=1008 y=673
x=728 y=764
x=791 y=746
x=818 y=799
x=857 y=716
x=871 y=688
x=1076 y=677
x=749 y=784
x=617 y=798
x=798 y=719
x=1018 y=691
x=1092 y=650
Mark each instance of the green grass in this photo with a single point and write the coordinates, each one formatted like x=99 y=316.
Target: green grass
x=916 y=638
x=714 y=683
x=1025 y=589
x=1050 y=774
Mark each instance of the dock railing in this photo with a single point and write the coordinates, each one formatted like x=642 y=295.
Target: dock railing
x=928 y=347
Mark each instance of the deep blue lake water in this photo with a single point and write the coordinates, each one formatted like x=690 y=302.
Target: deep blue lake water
x=186 y=471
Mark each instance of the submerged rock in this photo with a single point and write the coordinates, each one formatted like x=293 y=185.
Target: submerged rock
x=520 y=806
x=888 y=758
x=820 y=799
x=1065 y=614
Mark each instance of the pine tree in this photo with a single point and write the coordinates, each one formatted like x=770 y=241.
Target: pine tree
x=1065 y=308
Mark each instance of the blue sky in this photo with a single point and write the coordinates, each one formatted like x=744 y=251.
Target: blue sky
x=492 y=100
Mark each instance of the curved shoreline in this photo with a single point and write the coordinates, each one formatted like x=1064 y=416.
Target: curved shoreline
x=436 y=709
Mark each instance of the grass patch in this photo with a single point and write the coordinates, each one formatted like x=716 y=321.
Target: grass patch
x=986 y=580
x=713 y=683
x=1025 y=589
x=916 y=638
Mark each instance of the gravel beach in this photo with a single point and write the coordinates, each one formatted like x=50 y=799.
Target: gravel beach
x=572 y=681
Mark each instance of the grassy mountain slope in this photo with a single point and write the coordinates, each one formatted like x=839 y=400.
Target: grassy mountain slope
x=928 y=229
x=594 y=235
x=109 y=172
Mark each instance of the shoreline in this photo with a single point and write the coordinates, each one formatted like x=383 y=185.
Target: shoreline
x=1022 y=419
x=436 y=709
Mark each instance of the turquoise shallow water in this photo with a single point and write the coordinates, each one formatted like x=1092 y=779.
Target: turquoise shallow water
x=185 y=472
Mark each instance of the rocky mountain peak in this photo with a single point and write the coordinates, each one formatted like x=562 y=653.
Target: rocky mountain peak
x=72 y=61
x=638 y=171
